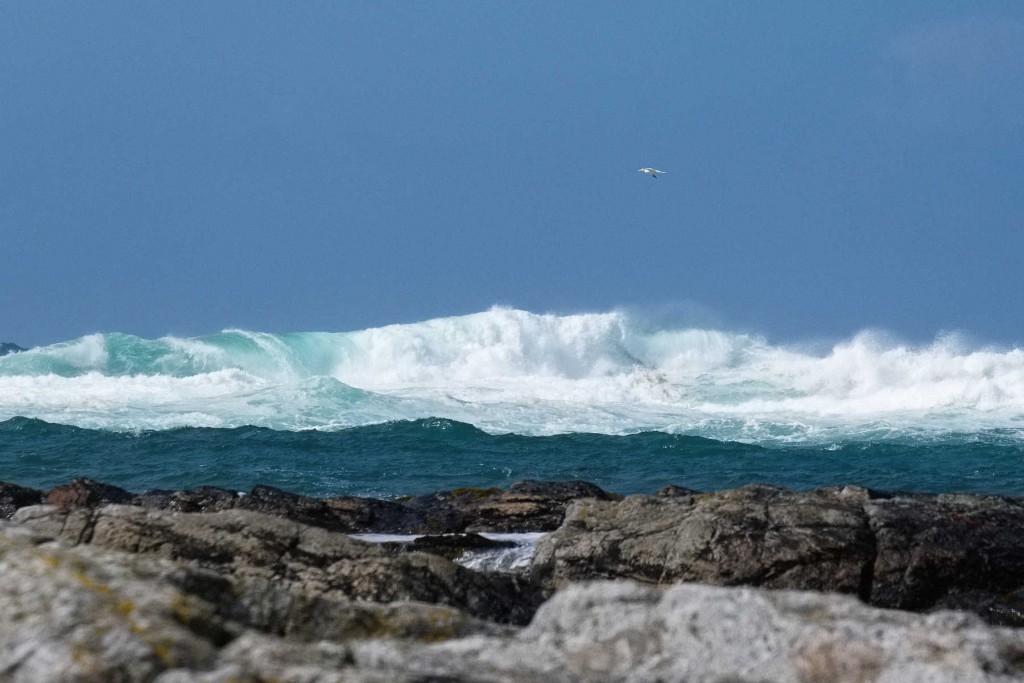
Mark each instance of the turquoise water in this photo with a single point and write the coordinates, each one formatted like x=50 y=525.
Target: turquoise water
x=493 y=397
x=401 y=458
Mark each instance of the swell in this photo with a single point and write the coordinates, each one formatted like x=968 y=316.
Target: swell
x=508 y=370
x=413 y=457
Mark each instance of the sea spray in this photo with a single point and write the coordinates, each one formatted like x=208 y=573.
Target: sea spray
x=506 y=370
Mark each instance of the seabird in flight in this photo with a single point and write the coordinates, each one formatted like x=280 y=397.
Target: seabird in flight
x=653 y=172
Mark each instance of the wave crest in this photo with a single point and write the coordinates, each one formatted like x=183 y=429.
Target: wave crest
x=511 y=370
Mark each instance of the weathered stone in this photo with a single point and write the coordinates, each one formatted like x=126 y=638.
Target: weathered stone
x=311 y=612
x=929 y=546
x=257 y=658
x=273 y=501
x=238 y=595
x=87 y=493
x=71 y=615
x=526 y=506
x=530 y=505
x=562 y=491
x=274 y=552
x=442 y=512
x=13 y=497
x=893 y=550
x=369 y=515
x=1001 y=609
x=89 y=614
x=347 y=514
x=200 y=499
x=673 y=491
x=756 y=535
x=622 y=631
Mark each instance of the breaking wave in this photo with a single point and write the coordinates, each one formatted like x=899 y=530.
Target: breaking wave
x=508 y=370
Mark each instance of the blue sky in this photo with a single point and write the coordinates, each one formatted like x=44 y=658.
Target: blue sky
x=180 y=168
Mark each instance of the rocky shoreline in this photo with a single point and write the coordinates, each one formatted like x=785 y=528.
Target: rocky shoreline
x=751 y=584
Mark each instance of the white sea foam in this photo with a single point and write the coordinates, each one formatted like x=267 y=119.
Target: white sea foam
x=516 y=556
x=509 y=370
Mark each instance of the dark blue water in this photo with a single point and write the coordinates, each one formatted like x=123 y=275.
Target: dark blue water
x=411 y=457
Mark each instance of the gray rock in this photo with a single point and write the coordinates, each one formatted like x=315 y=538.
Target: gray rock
x=526 y=506
x=255 y=658
x=672 y=491
x=622 y=631
x=265 y=606
x=756 y=535
x=270 y=556
x=199 y=499
x=71 y=615
x=530 y=505
x=892 y=550
x=85 y=613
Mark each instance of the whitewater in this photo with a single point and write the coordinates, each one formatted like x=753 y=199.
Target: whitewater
x=511 y=371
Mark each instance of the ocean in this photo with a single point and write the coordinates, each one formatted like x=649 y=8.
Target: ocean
x=495 y=397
